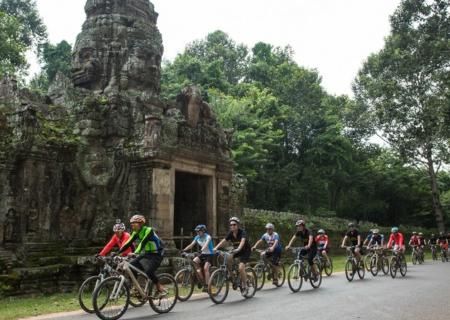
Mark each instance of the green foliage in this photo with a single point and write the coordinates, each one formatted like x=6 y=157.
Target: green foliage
x=12 y=48
x=56 y=58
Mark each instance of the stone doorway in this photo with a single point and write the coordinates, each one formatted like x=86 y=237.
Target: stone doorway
x=193 y=202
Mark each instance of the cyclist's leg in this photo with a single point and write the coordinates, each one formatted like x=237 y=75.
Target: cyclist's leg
x=150 y=263
x=311 y=254
x=198 y=267
x=276 y=256
x=358 y=253
x=244 y=257
x=206 y=267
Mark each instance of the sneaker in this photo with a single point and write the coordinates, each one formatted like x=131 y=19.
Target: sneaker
x=160 y=294
x=244 y=291
x=275 y=282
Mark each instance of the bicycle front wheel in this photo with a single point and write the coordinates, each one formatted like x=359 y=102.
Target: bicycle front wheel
x=136 y=300
x=316 y=276
x=414 y=258
x=328 y=266
x=185 y=282
x=111 y=298
x=367 y=259
x=295 y=277
x=218 y=286
x=251 y=283
x=403 y=266
x=349 y=270
x=385 y=265
x=374 y=266
x=260 y=275
x=281 y=275
x=393 y=267
x=361 y=269
x=86 y=293
x=163 y=302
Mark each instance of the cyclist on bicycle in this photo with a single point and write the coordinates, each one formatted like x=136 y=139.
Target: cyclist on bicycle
x=433 y=240
x=443 y=243
x=396 y=240
x=368 y=238
x=273 y=242
x=309 y=243
x=414 y=240
x=149 y=252
x=355 y=239
x=204 y=261
x=322 y=243
x=242 y=249
x=119 y=238
x=377 y=239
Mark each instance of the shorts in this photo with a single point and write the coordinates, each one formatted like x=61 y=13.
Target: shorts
x=320 y=249
x=274 y=256
x=310 y=254
x=243 y=255
x=204 y=258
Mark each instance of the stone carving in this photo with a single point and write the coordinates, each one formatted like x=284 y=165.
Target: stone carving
x=152 y=131
x=194 y=109
x=33 y=218
x=11 y=224
x=120 y=47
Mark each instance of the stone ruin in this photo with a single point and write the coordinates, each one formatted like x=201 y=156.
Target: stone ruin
x=101 y=145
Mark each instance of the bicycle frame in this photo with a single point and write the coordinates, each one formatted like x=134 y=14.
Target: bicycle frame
x=300 y=260
x=126 y=268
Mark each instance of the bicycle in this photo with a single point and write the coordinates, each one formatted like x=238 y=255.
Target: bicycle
x=299 y=271
x=112 y=297
x=263 y=267
x=367 y=258
x=188 y=277
x=325 y=264
x=353 y=265
x=433 y=252
x=87 y=288
x=219 y=282
x=444 y=256
x=397 y=262
x=378 y=262
x=416 y=255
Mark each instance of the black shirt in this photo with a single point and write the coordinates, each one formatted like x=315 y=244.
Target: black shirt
x=304 y=237
x=433 y=241
x=235 y=241
x=376 y=239
x=352 y=235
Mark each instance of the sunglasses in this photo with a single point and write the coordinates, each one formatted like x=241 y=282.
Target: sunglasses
x=233 y=224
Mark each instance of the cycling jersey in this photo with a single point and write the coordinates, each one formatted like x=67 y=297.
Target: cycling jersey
x=304 y=238
x=421 y=241
x=322 y=241
x=433 y=241
x=352 y=236
x=377 y=239
x=442 y=240
x=201 y=241
x=236 y=240
x=149 y=242
x=414 y=241
x=116 y=241
x=271 y=238
x=396 y=239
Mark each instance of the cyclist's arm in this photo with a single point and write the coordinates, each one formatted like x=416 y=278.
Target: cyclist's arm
x=220 y=244
x=190 y=246
x=129 y=242
x=149 y=236
x=257 y=244
x=370 y=243
x=310 y=241
x=291 y=241
x=344 y=241
x=241 y=245
x=275 y=244
x=359 y=240
x=326 y=243
x=109 y=246
x=205 y=246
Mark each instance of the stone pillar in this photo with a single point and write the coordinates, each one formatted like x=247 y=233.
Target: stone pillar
x=163 y=195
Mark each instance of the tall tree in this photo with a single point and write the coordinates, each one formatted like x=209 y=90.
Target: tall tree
x=405 y=88
x=12 y=48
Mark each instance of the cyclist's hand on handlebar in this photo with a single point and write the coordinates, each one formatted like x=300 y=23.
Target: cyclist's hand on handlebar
x=287 y=247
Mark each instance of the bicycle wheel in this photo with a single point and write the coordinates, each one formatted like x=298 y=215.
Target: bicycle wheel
x=367 y=259
x=136 y=300
x=218 y=286
x=328 y=266
x=85 y=293
x=163 y=302
x=260 y=275
x=385 y=265
x=414 y=258
x=251 y=283
x=403 y=266
x=316 y=277
x=111 y=298
x=295 y=277
x=185 y=282
x=374 y=266
x=361 y=269
x=393 y=267
x=349 y=270
x=281 y=275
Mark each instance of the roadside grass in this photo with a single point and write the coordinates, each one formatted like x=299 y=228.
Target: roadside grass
x=13 y=308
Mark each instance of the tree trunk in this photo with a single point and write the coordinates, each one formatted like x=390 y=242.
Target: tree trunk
x=437 y=207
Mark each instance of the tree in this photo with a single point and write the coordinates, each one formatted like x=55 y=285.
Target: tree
x=12 y=48
x=405 y=88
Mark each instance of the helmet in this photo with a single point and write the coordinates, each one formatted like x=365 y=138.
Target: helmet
x=376 y=231
x=351 y=225
x=200 y=227
x=394 y=229
x=137 y=218
x=433 y=235
x=441 y=233
x=414 y=233
x=235 y=219
x=270 y=226
x=300 y=223
x=119 y=226
x=420 y=234
x=321 y=231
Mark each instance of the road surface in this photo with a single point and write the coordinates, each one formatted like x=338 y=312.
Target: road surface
x=423 y=294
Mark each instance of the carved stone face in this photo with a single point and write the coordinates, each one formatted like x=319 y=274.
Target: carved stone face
x=85 y=67
x=96 y=166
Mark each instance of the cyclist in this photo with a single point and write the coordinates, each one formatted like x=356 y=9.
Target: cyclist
x=432 y=242
x=149 y=252
x=309 y=243
x=422 y=243
x=414 y=240
x=119 y=238
x=396 y=240
x=377 y=239
x=322 y=242
x=368 y=238
x=273 y=242
x=443 y=243
x=204 y=261
x=242 y=249
x=355 y=239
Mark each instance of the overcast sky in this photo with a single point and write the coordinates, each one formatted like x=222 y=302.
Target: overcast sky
x=332 y=36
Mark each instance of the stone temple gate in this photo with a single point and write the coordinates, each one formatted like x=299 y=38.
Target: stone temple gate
x=102 y=144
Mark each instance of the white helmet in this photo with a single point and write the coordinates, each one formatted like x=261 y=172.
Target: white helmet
x=321 y=231
x=235 y=219
x=270 y=226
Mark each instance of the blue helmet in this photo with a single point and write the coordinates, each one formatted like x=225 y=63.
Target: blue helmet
x=200 y=227
x=394 y=230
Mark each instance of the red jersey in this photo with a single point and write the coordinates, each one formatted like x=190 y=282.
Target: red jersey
x=414 y=241
x=322 y=240
x=115 y=241
x=396 y=239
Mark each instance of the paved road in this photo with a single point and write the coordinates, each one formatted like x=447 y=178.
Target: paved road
x=423 y=294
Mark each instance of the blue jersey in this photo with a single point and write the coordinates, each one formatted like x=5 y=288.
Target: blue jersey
x=201 y=241
x=270 y=240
